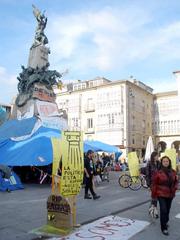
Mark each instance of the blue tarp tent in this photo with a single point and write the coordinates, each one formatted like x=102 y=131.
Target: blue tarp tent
x=90 y=147
x=34 y=151
x=104 y=147
x=13 y=183
x=17 y=128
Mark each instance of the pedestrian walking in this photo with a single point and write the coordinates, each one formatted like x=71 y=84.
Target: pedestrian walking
x=152 y=166
x=89 y=172
x=164 y=186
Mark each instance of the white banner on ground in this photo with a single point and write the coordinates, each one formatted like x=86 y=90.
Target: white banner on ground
x=47 y=109
x=108 y=228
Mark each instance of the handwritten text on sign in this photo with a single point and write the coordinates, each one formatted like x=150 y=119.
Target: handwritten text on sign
x=108 y=228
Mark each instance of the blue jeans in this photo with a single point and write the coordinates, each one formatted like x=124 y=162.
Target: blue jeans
x=165 y=205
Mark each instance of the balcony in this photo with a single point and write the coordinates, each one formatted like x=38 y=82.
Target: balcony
x=90 y=107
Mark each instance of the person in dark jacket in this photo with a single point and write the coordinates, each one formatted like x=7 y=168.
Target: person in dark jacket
x=164 y=186
x=99 y=168
x=89 y=172
x=151 y=168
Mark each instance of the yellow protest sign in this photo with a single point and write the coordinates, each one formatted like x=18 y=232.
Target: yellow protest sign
x=68 y=163
x=133 y=163
x=56 y=154
x=171 y=153
x=56 y=164
x=72 y=163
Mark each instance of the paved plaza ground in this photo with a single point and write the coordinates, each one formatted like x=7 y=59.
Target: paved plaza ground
x=25 y=210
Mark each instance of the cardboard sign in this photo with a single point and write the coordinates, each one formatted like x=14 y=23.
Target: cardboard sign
x=42 y=93
x=58 y=212
x=133 y=163
x=47 y=109
x=171 y=153
x=72 y=163
x=68 y=164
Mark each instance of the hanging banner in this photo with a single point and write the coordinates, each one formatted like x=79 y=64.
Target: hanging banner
x=133 y=163
x=59 y=122
x=56 y=171
x=47 y=109
x=68 y=164
x=72 y=163
x=42 y=93
x=171 y=153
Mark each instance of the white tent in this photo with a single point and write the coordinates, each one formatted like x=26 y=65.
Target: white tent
x=149 y=149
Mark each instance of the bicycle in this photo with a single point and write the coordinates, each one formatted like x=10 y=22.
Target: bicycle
x=135 y=183
x=124 y=180
x=132 y=182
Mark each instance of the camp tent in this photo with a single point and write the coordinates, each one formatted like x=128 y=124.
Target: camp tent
x=11 y=184
x=90 y=147
x=28 y=143
x=100 y=146
x=34 y=151
x=17 y=128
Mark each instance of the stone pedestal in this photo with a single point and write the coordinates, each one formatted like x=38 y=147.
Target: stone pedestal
x=38 y=56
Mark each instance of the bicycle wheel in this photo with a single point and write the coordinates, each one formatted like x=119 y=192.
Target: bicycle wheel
x=135 y=183
x=124 y=180
x=143 y=182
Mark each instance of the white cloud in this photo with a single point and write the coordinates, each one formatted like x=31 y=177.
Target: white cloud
x=8 y=86
x=163 y=85
x=91 y=39
x=111 y=38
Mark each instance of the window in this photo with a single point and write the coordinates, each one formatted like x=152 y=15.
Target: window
x=143 y=124
x=90 y=123
x=112 y=118
x=83 y=86
x=75 y=122
x=89 y=102
x=75 y=87
x=90 y=84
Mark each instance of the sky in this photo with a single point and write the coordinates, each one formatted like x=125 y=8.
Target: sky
x=114 y=39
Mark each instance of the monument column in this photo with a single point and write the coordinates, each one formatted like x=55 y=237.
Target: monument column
x=36 y=81
x=38 y=56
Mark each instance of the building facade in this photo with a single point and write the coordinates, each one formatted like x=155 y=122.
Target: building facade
x=166 y=121
x=118 y=113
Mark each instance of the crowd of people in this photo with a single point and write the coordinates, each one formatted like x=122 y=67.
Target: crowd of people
x=161 y=179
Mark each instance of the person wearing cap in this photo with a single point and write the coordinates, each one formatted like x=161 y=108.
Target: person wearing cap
x=89 y=171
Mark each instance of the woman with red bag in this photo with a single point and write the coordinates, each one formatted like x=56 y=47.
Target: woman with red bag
x=164 y=186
